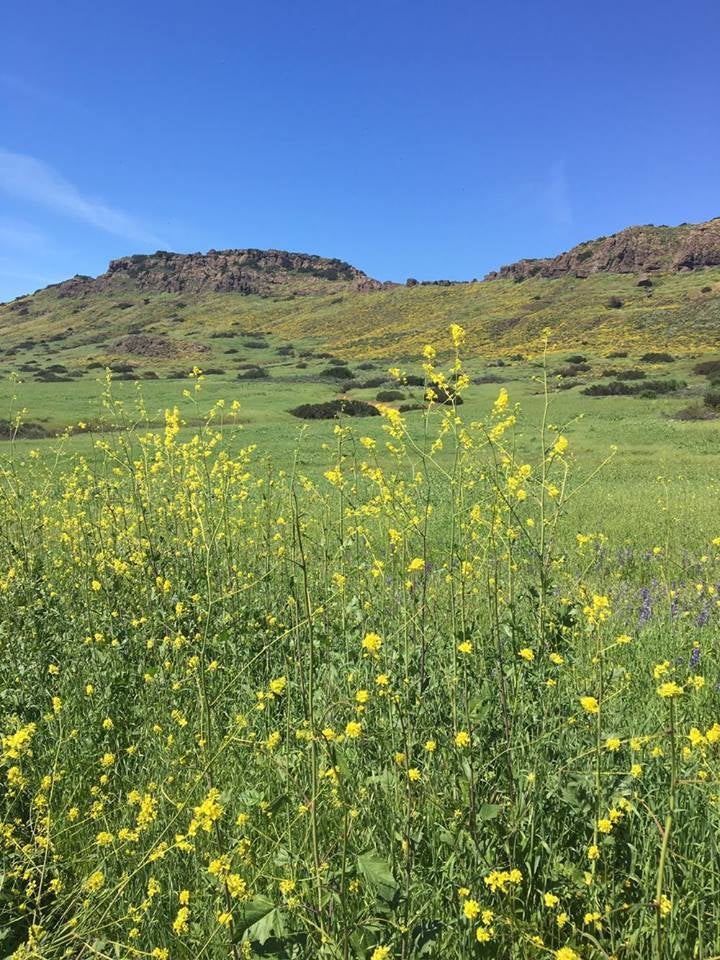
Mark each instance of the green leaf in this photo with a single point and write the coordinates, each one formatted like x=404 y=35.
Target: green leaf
x=270 y=925
x=377 y=874
x=488 y=811
x=251 y=913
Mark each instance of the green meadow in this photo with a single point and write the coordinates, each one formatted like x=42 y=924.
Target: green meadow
x=431 y=683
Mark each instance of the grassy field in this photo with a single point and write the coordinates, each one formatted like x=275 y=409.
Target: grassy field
x=659 y=473
x=433 y=684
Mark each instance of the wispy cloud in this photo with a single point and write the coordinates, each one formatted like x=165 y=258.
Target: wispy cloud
x=26 y=178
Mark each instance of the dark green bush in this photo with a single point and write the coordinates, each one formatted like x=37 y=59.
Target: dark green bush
x=647 y=390
x=445 y=396
x=707 y=368
x=573 y=369
x=657 y=357
x=335 y=408
x=337 y=373
x=631 y=375
x=387 y=396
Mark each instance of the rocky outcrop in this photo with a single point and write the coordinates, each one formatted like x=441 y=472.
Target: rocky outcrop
x=641 y=250
x=265 y=273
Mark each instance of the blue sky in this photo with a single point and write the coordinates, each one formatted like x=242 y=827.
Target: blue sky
x=429 y=139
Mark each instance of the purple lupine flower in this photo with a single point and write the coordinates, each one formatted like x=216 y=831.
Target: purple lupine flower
x=695 y=658
x=703 y=616
x=646 y=608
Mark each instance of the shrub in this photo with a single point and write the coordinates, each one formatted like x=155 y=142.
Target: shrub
x=706 y=368
x=47 y=376
x=335 y=408
x=413 y=380
x=337 y=373
x=614 y=303
x=28 y=430
x=254 y=373
x=387 y=396
x=712 y=399
x=412 y=405
x=647 y=390
x=705 y=289
x=375 y=382
x=573 y=370
x=617 y=354
x=654 y=357
x=576 y=358
x=695 y=411
x=255 y=344
x=616 y=388
x=654 y=388
x=631 y=375
x=301 y=364
x=441 y=395
x=366 y=365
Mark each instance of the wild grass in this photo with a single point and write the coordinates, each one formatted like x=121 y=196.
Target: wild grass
x=391 y=708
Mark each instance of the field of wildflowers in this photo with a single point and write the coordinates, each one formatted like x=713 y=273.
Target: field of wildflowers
x=396 y=711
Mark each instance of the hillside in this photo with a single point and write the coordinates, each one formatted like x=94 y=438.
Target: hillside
x=641 y=250
x=153 y=311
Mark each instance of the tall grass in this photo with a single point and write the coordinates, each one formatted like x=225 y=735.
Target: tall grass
x=390 y=713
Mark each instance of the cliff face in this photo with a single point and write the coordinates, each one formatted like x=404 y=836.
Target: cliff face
x=262 y=272
x=639 y=250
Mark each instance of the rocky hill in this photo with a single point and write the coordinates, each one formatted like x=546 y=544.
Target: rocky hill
x=641 y=250
x=265 y=273
x=644 y=288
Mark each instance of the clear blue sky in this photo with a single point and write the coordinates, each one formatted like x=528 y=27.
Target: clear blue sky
x=413 y=138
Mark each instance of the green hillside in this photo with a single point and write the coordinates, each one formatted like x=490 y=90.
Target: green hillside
x=678 y=312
